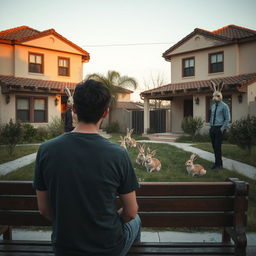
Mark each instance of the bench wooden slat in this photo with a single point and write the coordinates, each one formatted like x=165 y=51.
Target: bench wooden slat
x=147 y=188
x=146 y=204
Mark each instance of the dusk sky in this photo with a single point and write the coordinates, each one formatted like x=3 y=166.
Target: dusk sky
x=127 y=36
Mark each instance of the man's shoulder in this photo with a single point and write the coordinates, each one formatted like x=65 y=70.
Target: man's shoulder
x=52 y=142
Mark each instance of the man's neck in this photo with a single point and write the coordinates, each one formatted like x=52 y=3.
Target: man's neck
x=87 y=127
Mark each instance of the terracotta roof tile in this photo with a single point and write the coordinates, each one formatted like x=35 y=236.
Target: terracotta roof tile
x=29 y=83
x=18 y=33
x=129 y=105
x=240 y=80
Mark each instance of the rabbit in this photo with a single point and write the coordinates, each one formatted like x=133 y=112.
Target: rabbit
x=194 y=169
x=152 y=164
x=70 y=101
x=123 y=144
x=217 y=95
x=141 y=156
x=129 y=140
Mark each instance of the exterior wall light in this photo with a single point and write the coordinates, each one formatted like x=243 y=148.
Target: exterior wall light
x=197 y=101
x=240 y=98
x=56 y=101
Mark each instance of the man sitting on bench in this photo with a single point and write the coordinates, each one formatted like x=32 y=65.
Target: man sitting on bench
x=77 y=178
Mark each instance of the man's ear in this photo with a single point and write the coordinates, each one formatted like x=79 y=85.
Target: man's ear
x=106 y=112
x=74 y=109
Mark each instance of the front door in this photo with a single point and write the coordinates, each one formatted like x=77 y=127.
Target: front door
x=188 y=108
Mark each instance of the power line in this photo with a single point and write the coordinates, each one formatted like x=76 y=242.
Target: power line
x=131 y=44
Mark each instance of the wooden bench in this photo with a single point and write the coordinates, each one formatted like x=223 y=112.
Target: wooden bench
x=166 y=204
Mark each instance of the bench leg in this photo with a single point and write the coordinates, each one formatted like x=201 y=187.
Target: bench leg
x=225 y=236
x=7 y=235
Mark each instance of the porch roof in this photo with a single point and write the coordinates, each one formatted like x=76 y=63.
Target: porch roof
x=11 y=84
x=232 y=83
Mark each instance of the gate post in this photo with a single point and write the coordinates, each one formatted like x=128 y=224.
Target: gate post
x=146 y=115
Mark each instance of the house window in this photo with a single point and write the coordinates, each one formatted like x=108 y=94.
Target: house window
x=39 y=110
x=188 y=67
x=63 y=66
x=31 y=109
x=35 y=63
x=23 y=109
x=216 y=61
x=226 y=98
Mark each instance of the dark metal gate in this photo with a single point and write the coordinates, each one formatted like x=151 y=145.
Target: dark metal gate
x=138 y=121
x=158 y=120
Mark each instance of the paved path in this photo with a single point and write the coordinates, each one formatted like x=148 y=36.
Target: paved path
x=146 y=236
x=244 y=169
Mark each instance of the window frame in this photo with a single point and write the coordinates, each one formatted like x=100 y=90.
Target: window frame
x=31 y=100
x=68 y=68
x=183 y=66
x=210 y=64
x=42 y=64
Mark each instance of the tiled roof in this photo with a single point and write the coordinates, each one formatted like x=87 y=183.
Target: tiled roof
x=234 y=32
x=18 y=33
x=228 y=34
x=240 y=80
x=28 y=83
x=129 y=105
x=25 y=33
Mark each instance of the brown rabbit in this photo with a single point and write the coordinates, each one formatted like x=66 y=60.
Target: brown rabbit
x=123 y=144
x=130 y=142
x=152 y=164
x=194 y=169
x=141 y=156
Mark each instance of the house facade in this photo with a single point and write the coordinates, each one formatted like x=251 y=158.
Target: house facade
x=35 y=67
x=227 y=54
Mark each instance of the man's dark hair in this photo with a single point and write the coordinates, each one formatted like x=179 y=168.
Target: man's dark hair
x=91 y=99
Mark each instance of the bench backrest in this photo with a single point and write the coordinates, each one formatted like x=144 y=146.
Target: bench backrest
x=161 y=204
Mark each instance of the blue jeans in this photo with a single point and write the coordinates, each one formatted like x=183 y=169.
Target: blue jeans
x=132 y=230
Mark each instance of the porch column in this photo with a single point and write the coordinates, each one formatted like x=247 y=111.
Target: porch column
x=146 y=115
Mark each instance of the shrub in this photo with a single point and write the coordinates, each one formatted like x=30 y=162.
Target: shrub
x=11 y=135
x=29 y=132
x=243 y=133
x=55 y=127
x=41 y=134
x=113 y=128
x=192 y=125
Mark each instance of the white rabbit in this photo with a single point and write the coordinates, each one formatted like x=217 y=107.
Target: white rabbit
x=141 y=156
x=194 y=169
x=152 y=164
x=217 y=95
x=123 y=144
x=129 y=140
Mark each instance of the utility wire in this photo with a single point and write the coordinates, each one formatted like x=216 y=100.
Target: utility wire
x=132 y=44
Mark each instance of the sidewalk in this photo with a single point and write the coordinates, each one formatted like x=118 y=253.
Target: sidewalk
x=146 y=236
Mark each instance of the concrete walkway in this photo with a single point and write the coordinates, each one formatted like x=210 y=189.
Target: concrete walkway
x=146 y=236
x=244 y=169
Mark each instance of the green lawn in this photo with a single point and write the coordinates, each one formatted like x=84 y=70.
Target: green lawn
x=19 y=151
x=232 y=151
x=173 y=169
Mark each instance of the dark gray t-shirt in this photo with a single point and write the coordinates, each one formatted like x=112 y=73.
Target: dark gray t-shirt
x=83 y=173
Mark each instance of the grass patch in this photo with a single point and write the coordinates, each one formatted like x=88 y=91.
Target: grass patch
x=19 y=151
x=173 y=170
x=232 y=151
x=115 y=137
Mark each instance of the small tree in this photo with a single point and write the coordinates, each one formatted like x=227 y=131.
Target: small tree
x=243 y=133
x=192 y=125
x=11 y=135
x=29 y=132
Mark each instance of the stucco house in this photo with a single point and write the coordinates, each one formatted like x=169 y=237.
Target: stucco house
x=227 y=54
x=35 y=67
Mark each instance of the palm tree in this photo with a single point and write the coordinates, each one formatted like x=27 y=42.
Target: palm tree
x=115 y=82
